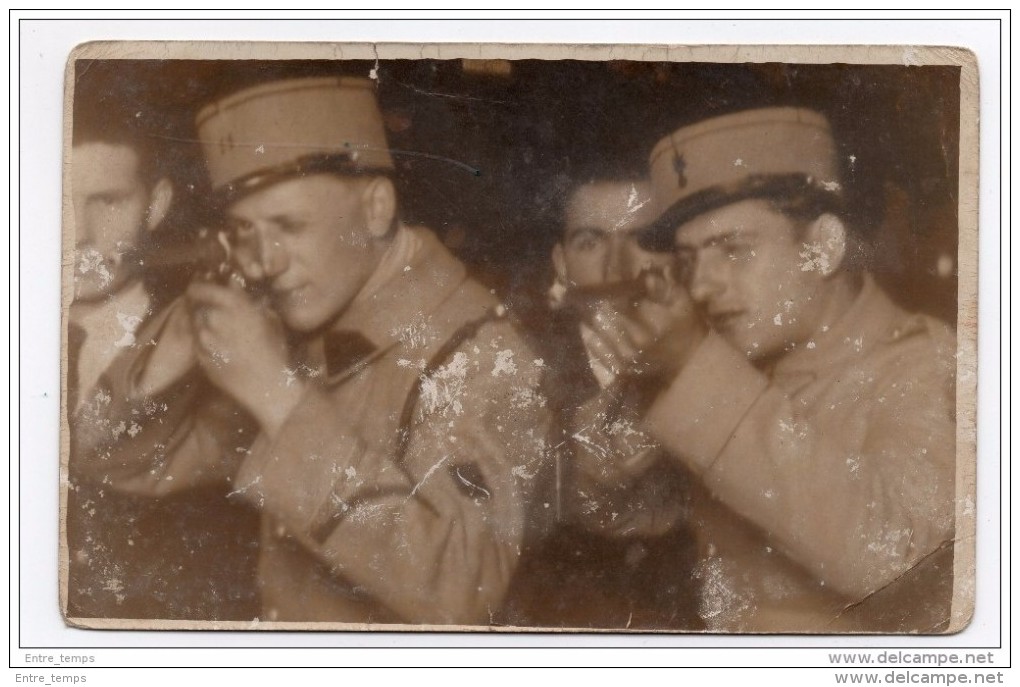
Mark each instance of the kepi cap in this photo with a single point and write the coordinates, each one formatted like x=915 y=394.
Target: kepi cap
x=282 y=129
x=771 y=152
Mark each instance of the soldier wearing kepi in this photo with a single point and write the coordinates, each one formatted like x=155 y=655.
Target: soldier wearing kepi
x=360 y=390
x=817 y=416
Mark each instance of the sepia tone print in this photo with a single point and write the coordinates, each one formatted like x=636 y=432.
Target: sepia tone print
x=519 y=339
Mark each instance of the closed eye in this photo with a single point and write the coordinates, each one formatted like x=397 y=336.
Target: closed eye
x=290 y=225
x=685 y=258
x=737 y=250
x=239 y=229
x=734 y=245
x=108 y=199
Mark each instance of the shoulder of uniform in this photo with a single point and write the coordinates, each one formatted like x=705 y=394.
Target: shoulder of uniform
x=919 y=341
x=916 y=325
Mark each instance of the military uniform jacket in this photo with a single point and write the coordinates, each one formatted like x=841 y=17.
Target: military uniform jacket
x=353 y=531
x=621 y=555
x=824 y=480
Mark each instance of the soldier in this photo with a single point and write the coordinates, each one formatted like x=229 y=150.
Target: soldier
x=118 y=194
x=621 y=555
x=120 y=545
x=817 y=416
x=358 y=387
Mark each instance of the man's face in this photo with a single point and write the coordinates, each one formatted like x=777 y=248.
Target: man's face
x=111 y=203
x=308 y=240
x=745 y=269
x=600 y=237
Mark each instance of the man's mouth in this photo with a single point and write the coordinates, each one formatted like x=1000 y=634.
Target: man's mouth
x=91 y=265
x=623 y=291
x=725 y=319
x=285 y=297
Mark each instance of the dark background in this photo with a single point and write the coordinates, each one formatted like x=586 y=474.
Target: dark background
x=486 y=154
x=487 y=151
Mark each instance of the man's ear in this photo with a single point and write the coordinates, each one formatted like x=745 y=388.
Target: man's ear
x=558 y=291
x=379 y=199
x=159 y=203
x=828 y=233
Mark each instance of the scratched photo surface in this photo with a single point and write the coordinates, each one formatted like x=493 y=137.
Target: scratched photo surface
x=511 y=344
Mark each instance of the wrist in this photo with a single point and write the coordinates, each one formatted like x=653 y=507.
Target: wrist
x=637 y=392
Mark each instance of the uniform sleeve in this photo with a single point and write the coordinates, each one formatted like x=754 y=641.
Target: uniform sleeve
x=186 y=435
x=435 y=535
x=646 y=507
x=857 y=488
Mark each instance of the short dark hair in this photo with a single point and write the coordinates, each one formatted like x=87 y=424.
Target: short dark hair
x=106 y=111
x=118 y=134
x=805 y=207
x=606 y=175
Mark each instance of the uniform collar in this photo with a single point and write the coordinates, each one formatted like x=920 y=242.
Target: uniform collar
x=415 y=275
x=868 y=320
x=106 y=328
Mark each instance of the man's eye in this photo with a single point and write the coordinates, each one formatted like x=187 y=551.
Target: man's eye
x=290 y=226
x=684 y=266
x=240 y=232
x=585 y=242
x=107 y=201
x=738 y=251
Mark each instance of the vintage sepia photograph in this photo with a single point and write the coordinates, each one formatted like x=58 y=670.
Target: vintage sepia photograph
x=519 y=338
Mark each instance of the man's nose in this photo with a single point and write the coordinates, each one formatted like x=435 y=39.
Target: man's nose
x=707 y=278
x=82 y=229
x=272 y=256
x=619 y=261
